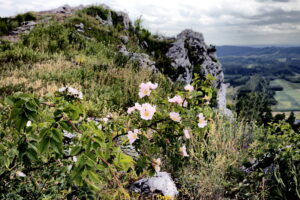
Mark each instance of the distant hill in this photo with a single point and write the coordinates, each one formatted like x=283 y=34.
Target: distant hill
x=280 y=66
x=224 y=51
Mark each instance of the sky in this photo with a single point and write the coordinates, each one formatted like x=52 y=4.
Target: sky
x=222 y=22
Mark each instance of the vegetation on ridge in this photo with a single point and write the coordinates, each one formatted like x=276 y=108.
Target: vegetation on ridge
x=70 y=104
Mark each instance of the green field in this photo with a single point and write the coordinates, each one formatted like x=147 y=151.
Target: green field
x=289 y=98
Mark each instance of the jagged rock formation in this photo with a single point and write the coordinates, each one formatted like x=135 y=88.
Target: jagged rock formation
x=161 y=183
x=189 y=54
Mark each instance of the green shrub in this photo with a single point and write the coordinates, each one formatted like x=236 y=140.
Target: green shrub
x=4 y=45
x=18 y=52
x=94 y=30
x=7 y=25
x=29 y=16
x=48 y=38
x=97 y=10
x=117 y=21
x=272 y=169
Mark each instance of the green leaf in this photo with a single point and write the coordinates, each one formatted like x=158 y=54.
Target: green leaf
x=20 y=123
x=31 y=106
x=31 y=115
x=25 y=97
x=7 y=162
x=75 y=150
x=65 y=126
x=57 y=147
x=93 y=176
x=123 y=161
x=9 y=100
x=44 y=144
x=90 y=162
x=32 y=155
x=57 y=135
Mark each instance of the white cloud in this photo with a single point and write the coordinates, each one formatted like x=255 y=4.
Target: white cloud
x=221 y=21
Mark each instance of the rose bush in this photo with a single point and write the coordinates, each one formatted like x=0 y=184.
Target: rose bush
x=159 y=127
x=51 y=144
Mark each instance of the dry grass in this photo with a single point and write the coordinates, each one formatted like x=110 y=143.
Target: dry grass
x=112 y=87
x=205 y=178
x=28 y=76
x=12 y=80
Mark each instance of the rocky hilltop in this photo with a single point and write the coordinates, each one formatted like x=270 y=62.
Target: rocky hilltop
x=185 y=54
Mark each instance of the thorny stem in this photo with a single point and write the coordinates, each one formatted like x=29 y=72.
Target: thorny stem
x=146 y=126
x=71 y=123
x=64 y=117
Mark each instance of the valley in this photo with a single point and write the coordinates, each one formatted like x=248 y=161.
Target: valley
x=279 y=65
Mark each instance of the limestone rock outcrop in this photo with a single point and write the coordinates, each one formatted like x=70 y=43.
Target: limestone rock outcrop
x=115 y=17
x=188 y=54
x=24 y=28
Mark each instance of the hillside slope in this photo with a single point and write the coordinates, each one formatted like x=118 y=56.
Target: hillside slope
x=94 y=106
x=96 y=38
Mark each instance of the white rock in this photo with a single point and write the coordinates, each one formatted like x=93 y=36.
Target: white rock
x=68 y=134
x=160 y=183
x=124 y=39
x=20 y=174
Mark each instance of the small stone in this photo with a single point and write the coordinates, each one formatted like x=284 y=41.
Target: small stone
x=124 y=39
x=142 y=59
x=79 y=26
x=144 y=45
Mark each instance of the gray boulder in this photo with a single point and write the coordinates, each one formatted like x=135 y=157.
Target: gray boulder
x=63 y=9
x=180 y=61
x=66 y=9
x=123 y=50
x=161 y=183
x=121 y=17
x=221 y=100
x=142 y=59
x=124 y=19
